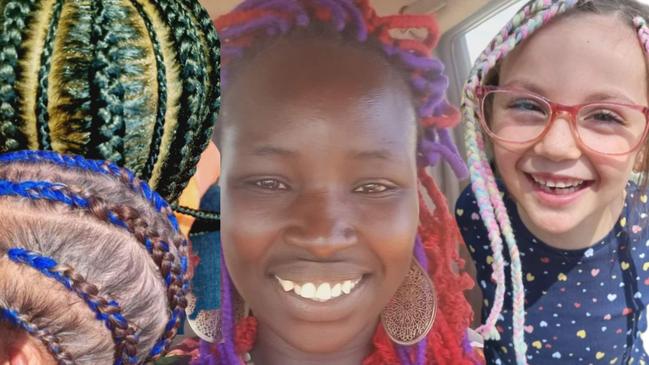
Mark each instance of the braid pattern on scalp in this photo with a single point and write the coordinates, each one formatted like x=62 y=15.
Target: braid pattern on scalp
x=14 y=20
x=114 y=78
x=158 y=128
x=51 y=342
x=193 y=94
x=43 y=81
x=174 y=274
x=213 y=81
x=534 y=15
x=107 y=310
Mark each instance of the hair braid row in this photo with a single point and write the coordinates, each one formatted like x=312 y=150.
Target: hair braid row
x=14 y=18
x=42 y=98
x=161 y=110
x=107 y=310
x=193 y=93
x=51 y=342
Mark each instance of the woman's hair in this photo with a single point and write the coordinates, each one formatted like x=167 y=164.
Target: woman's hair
x=132 y=82
x=532 y=17
x=91 y=259
x=252 y=27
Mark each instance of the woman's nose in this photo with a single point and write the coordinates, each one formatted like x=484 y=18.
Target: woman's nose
x=322 y=224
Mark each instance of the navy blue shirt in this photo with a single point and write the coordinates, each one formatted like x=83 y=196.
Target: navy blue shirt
x=583 y=306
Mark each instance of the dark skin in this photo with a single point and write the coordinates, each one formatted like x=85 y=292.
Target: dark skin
x=319 y=185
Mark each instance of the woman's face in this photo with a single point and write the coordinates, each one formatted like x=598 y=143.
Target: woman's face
x=580 y=59
x=319 y=192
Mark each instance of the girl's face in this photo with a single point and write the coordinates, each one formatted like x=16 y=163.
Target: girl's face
x=580 y=59
x=319 y=192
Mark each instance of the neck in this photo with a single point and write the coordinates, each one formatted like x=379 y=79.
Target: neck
x=592 y=230
x=271 y=349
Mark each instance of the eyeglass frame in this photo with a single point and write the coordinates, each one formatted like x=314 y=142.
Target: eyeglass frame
x=555 y=110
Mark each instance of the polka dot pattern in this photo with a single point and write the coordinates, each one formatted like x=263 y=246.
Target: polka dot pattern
x=582 y=307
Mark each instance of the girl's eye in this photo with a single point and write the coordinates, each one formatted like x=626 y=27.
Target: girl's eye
x=372 y=188
x=605 y=116
x=270 y=184
x=527 y=105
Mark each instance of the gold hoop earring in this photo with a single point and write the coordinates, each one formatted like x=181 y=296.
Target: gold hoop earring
x=410 y=314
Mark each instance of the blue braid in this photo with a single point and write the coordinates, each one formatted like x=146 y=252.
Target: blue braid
x=100 y=167
x=50 y=268
x=57 y=192
x=61 y=193
x=51 y=342
x=104 y=168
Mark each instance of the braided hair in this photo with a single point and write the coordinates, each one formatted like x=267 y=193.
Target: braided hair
x=132 y=82
x=529 y=19
x=252 y=27
x=97 y=268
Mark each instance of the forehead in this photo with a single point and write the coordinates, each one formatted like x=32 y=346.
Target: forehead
x=582 y=51
x=323 y=83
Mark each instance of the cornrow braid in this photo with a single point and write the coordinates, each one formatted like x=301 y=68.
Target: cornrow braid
x=133 y=82
x=173 y=271
x=51 y=342
x=107 y=310
x=173 y=274
x=245 y=31
x=14 y=17
x=533 y=16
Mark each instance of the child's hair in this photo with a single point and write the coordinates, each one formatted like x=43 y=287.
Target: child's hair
x=91 y=260
x=135 y=83
x=532 y=17
x=252 y=27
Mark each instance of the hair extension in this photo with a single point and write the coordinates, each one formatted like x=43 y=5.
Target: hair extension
x=169 y=252
x=133 y=82
x=533 y=16
x=246 y=30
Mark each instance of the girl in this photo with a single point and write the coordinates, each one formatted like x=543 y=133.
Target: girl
x=331 y=227
x=93 y=268
x=561 y=95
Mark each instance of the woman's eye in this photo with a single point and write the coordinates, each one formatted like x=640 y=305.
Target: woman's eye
x=270 y=184
x=372 y=188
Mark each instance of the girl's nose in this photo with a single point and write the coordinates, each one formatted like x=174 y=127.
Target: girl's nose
x=559 y=142
x=322 y=224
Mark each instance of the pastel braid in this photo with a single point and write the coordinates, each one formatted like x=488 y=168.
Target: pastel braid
x=106 y=309
x=492 y=209
x=51 y=342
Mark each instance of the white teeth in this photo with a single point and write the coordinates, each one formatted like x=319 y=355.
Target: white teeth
x=322 y=292
x=566 y=184
x=308 y=291
x=347 y=286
